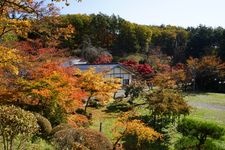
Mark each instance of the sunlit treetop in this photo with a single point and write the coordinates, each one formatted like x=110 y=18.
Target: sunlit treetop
x=10 y=59
x=66 y=1
x=16 y=15
x=24 y=6
x=126 y=126
x=20 y=27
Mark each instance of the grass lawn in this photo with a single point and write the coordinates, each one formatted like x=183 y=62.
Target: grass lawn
x=107 y=119
x=213 y=115
x=215 y=103
x=211 y=98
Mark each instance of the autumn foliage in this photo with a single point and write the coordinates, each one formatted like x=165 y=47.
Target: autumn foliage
x=51 y=81
x=10 y=59
x=103 y=59
x=77 y=120
x=166 y=106
x=10 y=65
x=37 y=53
x=34 y=44
x=44 y=89
x=170 y=77
x=207 y=73
x=144 y=70
x=97 y=86
x=126 y=127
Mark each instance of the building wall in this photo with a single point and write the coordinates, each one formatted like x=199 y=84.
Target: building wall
x=121 y=73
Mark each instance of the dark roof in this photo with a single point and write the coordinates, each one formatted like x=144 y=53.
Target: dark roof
x=101 y=67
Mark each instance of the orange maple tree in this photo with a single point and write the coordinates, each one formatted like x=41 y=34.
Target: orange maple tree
x=52 y=81
x=50 y=89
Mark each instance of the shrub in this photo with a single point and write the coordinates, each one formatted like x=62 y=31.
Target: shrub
x=55 y=115
x=78 y=120
x=95 y=103
x=62 y=126
x=87 y=138
x=119 y=106
x=16 y=122
x=38 y=144
x=44 y=124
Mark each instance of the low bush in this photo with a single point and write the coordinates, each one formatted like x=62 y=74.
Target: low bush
x=77 y=120
x=44 y=123
x=118 y=106
x=71 y=138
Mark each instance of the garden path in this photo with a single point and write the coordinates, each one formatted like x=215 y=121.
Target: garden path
x=207 y=105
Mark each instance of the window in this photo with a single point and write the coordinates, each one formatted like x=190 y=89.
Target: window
x=125 y=81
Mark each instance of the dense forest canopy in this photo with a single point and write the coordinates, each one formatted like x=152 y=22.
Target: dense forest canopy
x=119 y=36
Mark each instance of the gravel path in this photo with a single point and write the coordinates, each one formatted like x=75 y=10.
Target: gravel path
x=207 y=106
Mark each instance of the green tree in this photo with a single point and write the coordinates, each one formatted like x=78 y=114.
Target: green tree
x=126 y=41
x=134 y=90
x=221 y=38
x=143 y=35
x=81 y=23
x=200 y=42
x=200 y=130
x=171 y=40
x=100 y=30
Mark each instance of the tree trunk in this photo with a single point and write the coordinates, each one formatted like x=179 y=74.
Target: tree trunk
x=114 y=95
x=4 y=140
x=11 y=144
x=201 y=142
x=86 y=105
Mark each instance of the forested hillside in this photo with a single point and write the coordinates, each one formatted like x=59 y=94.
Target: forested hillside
x=98 y=38
x=118 y=36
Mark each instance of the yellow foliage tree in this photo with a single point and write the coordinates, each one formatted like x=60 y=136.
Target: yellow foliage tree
x=9 y=59
x=13 y=14
x=127 y=126
x=15 y=17
x=51 y=30
x=10 y=62
x=97 y=86
x=20 y=27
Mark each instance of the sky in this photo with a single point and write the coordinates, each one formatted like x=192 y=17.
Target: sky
x=155 y=12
